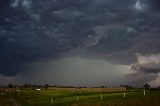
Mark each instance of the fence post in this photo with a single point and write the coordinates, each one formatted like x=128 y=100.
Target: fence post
x=124 y=95
x=144 y=92
x=77 y=98
x=51 y=100
x=29 y=102
x=101 y=96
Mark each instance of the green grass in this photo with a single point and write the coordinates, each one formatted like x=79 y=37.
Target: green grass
x=87 y=97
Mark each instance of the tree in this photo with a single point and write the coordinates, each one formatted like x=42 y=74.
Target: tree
x=127 y=87
x=146 y=86
x=26 y=85
x=46 y=85
x=10 y=85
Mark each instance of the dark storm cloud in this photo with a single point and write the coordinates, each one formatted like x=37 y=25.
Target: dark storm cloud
x=4 y=4
x=155 y=3
x=36 y=30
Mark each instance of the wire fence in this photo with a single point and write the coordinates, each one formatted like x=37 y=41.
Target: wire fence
x=40 y=97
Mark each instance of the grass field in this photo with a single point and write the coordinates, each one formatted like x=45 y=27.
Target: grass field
x=82 y=97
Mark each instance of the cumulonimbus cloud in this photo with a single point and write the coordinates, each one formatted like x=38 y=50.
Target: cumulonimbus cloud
x=147 y=63
x=145 y=70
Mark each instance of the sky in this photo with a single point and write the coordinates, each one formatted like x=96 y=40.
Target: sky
x=80 y=42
